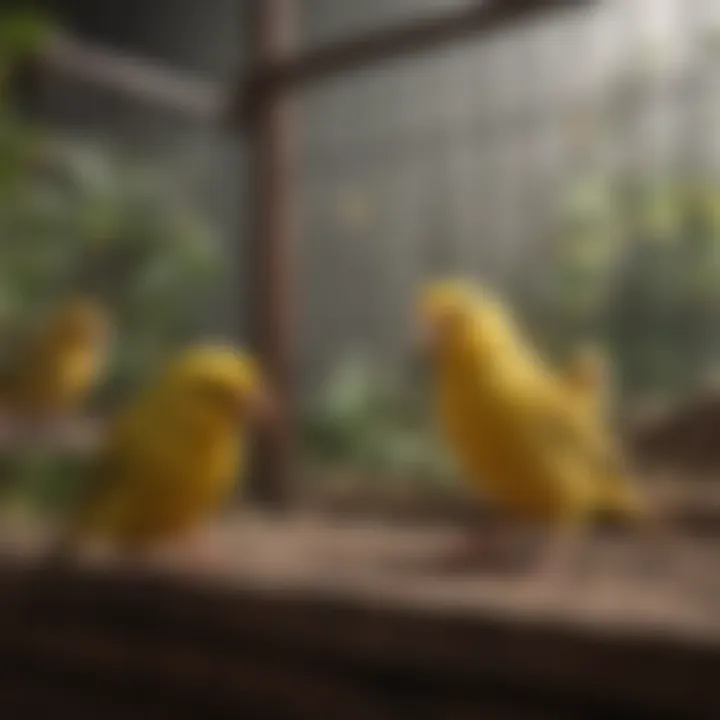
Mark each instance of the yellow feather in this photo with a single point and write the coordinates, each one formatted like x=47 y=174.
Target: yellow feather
x=173 y=454
x=520 y=437
x=53 y=369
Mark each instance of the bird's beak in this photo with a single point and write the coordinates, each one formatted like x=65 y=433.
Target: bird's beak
x=262 y=406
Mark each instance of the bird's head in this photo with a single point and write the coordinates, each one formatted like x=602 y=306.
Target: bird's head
x=221 y=387
x=443 y=309
x=494 y=328
x=450 y=312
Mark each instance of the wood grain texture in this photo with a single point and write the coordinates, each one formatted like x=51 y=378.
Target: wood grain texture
x=142 y=644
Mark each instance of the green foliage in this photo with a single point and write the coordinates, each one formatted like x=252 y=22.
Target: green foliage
x=638 y=266
x=85 y=221
x=344 y=410
x=82 y=220
x=369 y=420
x=22 y=30
x=80 y=217
x=633 y=260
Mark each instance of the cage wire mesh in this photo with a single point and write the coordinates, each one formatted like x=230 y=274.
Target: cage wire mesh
x=543 y=160
x=571 y=162
x=444 y=163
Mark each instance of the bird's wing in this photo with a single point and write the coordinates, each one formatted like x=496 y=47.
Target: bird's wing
x=584 y=438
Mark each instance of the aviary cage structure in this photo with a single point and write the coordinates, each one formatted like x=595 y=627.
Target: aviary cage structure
x=337 y=643
x=276 y=82
x=561 y=150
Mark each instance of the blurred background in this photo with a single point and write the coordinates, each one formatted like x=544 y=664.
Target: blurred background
x=569 y=161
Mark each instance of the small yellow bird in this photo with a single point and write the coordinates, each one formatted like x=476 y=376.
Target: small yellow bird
x=53 y=369
x=517 y=429
x=173 y=454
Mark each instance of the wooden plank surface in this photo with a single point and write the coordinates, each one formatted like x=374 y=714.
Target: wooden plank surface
x=305 y=619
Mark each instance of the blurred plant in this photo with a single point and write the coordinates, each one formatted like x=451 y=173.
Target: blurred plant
x=633 y=258
x=46 y=481
x=21 y=32
x=22 y=29
x=373 y=422
x=75 y=216
x=638 y=266
x=144 y=250
x=88 y=222
x=78 y=217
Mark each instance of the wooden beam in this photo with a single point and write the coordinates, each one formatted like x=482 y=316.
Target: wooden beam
x=272 y=204
x=69 y=58
x=271 y=75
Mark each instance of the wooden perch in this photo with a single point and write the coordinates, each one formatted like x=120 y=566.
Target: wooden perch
x=285 y=640
x=69 y=58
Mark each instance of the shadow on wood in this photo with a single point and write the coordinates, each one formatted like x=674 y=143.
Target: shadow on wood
x=87 y=644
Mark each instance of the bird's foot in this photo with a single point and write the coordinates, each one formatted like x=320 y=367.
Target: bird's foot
x=203 y=553
x=560 y=568
x=483 y=553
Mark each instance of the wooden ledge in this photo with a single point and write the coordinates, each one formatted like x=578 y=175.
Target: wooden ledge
x=283 y=634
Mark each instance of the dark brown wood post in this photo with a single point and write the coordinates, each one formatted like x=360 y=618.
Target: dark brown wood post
x=269 y=125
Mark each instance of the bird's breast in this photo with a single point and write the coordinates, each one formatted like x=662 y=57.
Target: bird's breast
x=183 y=490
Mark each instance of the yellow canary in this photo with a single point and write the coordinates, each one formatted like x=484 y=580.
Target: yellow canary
x=55 y=368
x=173 y=454
x=517 y=432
